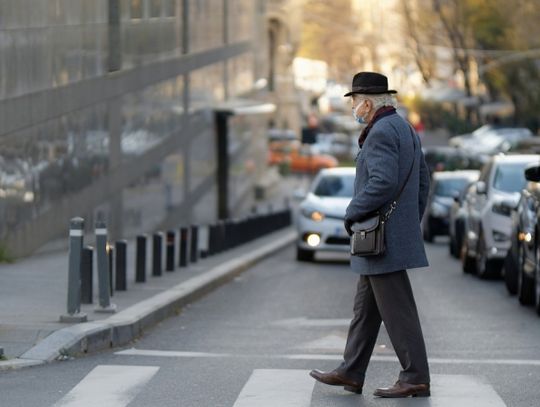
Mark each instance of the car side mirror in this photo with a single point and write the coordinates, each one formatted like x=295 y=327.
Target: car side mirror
x=455 y=195
x=481 y=188
x=533 y=173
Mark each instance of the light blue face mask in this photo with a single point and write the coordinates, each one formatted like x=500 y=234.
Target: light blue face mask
x=359 y=119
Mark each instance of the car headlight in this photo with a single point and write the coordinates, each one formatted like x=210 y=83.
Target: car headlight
x=438 y=210
x=501 y=209
x=316 y=216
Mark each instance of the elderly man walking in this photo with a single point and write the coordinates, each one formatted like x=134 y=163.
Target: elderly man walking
x=390 y=164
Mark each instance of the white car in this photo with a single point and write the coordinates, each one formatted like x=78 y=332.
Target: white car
x=488 y=225
x=321 y=213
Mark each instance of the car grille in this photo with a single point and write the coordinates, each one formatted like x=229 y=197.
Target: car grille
x=338 y=240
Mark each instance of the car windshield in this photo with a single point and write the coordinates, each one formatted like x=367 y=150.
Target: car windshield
x=335 y=186
x=450 y=187
x=510 y=177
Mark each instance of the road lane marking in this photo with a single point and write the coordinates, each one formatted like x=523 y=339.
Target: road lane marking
x=171 y=353
x=108 y=385
x=277 y=387
x=462 y=391
x=302 y=321
x=313 y=356
x=327 y=343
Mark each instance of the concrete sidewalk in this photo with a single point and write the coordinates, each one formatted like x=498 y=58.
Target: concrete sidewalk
x=34 y=294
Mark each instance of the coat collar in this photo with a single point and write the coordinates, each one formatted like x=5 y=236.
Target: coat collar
x=379 y=114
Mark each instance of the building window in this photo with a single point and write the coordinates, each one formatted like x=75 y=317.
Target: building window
x=155 y=8
x=169 y=8
x=136 y=9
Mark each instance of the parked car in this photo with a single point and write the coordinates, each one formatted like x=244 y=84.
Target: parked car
x=445 y=185
x=457 y=217
x=526 y=146
x=444 y=158
x=460 y=140
x=298 y=157
x=498 y=141
x=487 y=235
x=528 y=241
x=339 y=145
x=321 y=213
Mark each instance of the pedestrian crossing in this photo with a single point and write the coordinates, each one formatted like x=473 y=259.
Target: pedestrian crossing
x=271 y=388
x=109 y=386
x=119 y=385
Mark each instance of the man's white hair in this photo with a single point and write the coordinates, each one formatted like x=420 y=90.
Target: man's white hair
x=384 y=99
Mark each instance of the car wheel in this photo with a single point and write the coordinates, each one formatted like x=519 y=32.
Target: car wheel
x=468 y=263
x=304 y=255
x=486 y=268
x=452 y=246
x=510 y=272
x=460 y=227
x=453 y=242
x=525 y=284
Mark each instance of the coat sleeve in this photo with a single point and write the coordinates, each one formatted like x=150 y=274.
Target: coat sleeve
x=424 y=186
x=382 y=160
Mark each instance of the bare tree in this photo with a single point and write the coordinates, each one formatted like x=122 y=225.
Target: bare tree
x=414 y=31
x=453 y=16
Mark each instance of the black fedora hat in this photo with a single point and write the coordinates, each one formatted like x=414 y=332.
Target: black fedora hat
x=369 y=83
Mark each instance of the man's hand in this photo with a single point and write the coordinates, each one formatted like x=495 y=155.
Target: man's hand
x=348 y=223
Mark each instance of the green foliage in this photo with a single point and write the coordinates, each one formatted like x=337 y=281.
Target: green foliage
x=436 y=115
x=5 y=256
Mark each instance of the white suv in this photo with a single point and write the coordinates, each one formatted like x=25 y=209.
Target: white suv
x=320 y=221
x=488 y=224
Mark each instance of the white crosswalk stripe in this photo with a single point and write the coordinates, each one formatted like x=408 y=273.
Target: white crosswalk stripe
x=463 y=391
x=118 y=385
x=277 y=387
x=108 y=386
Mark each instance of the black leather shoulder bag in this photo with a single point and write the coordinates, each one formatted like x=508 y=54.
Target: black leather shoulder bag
x=368 y=235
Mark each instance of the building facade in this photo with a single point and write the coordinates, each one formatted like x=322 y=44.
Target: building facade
x=107 y=108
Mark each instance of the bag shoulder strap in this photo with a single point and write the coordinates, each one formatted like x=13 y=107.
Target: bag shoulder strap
x=394 y=202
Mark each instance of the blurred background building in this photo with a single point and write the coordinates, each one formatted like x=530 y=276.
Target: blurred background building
x=115 y=108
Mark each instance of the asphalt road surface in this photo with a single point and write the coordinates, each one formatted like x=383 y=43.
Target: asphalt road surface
x=253 y=342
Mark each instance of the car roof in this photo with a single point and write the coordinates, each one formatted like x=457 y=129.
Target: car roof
x=456 y=174
x=339 y=171
x=516 y=158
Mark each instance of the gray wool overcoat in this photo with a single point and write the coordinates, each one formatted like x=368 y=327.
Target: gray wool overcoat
x=381 y=168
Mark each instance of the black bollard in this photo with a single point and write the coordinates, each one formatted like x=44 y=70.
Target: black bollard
x=169 y=261
x=74 y=314
x=211 y=239
x=157 y=254
x=140 y=259
x=110 y=255
x=121 y=263
x=194 y=246
x=183 y=251
x=87 y=276
x=220 y=242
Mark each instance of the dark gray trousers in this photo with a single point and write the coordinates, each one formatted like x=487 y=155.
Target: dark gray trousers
x=388 y=298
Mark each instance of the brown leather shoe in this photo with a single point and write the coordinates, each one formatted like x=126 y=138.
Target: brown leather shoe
x=333 y=378
x=402 y=389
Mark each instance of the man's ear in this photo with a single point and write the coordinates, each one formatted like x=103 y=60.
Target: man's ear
x=370 y=104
